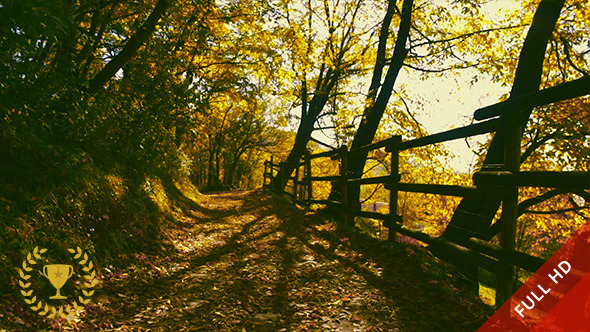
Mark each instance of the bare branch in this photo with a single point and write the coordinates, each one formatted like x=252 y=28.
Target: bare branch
x=322 y=143
x=557 y=211
x=524 y=205
x=439 y=70
x=333 y=127
x=535 y=145
x=566 y=48
x=467 y=35
x=407 y=108
x=373 y=193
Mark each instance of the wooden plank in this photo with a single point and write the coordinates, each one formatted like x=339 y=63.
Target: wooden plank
x=467 y=131
x=373 y=180
x=367 y=214
x=569 y=90
x=326 y=178
x=323 y=201
x=447 y=190
x=576 y=179
x=371 y=147
x=441 y=244
x=324 y=154
x=516 y=258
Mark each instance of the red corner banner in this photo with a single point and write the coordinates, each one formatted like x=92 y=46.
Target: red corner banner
x=556 y=297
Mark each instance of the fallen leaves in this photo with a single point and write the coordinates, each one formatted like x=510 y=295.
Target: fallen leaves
x=255 y=264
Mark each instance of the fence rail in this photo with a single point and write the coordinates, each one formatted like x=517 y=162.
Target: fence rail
x=500 y=183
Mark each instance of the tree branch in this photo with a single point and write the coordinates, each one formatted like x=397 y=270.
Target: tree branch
x=467 y=35
x=439 y=70
x=524 y=205
x=535 y=145
x=333 y=127
x=322 y=143
x=566 y=48
x=557 y=211
x=130 y=48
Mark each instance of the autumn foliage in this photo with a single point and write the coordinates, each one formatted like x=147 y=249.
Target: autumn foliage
x=115 y=116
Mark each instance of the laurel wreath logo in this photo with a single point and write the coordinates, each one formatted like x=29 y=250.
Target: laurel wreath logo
x=50 y=310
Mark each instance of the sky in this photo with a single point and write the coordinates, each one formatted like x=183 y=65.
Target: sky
x=450 y=103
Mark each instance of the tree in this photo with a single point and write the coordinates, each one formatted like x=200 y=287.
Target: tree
x=476 y=215
x=380 y=92
x=431 y=40
x=333 y=53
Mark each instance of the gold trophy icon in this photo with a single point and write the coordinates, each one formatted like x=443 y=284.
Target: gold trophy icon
x=58 y=274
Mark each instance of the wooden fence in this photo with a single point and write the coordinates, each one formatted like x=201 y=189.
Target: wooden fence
x=497 y=184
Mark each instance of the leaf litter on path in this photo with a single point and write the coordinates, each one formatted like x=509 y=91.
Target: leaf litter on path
x=252 y=262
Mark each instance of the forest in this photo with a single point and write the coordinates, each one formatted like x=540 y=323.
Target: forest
x=134 y=134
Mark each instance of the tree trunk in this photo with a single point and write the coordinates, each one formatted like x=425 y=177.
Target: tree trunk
x=473 y=216
x=309 y=115
x=130 y=48
x=377 y=103
x=299 y=147
x=211 y=164
x=229 y=177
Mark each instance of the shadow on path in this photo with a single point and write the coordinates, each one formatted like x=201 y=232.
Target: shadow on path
x=255 y=263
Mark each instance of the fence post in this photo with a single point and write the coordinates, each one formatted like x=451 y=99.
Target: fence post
x=307 y=175
x=344 y=184
x=296 y=184
x=282 y=177
x=272 y=176
x=509 y=204
x=393 y=192
x=265 y=174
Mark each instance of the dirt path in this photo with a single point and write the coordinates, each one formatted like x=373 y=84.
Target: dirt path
x=246 y=261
